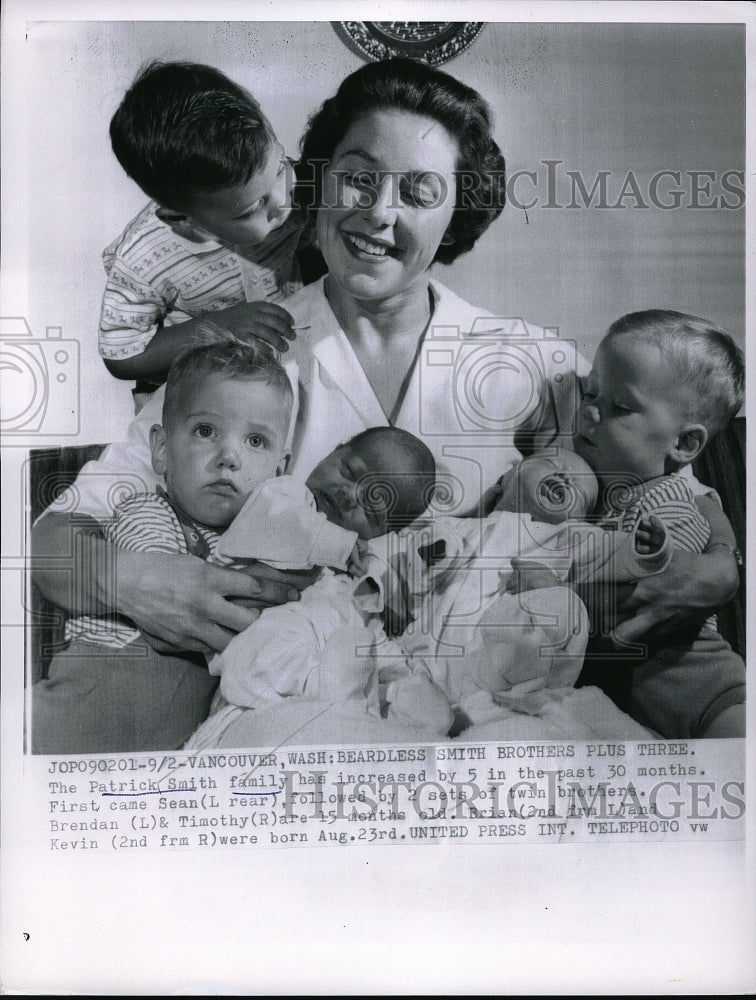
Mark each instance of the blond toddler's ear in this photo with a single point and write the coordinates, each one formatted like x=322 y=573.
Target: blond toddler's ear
x=690 y=443
x=157 y=449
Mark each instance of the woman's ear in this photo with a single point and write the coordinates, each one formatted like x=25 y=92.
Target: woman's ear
x=157 y=449
x=690 y=443
x=448 y=239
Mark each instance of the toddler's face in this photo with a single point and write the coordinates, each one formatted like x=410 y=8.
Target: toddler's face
x=247 y=214
x=359 y=487
x=632 y=413
x=227 y=439
x=551 y=487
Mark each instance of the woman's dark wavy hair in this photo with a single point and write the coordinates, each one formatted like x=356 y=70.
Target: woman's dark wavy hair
x=405 y=85
x=185 y=127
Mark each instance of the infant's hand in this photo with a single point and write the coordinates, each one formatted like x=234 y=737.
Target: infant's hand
x=649 y=535
x=529 y=576
x=357 y=561
x=260 y=320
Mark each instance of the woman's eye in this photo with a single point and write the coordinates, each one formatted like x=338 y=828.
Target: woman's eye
x=419 y=194
x=361 y=180
x=257 y=441
x=204 y=430
x=621 y=408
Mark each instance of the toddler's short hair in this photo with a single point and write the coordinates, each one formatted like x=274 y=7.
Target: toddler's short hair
x=704 y=357
x=185 y=127
x=227 y=358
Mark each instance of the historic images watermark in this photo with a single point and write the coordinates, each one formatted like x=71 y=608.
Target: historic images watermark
x=551 y=185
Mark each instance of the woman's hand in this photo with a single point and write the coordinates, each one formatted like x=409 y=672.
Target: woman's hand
x=690 y=588
x=181 y=601
x=186 y=603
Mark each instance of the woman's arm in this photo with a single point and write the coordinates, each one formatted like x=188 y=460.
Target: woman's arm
x=692 y=586
x=181 y=600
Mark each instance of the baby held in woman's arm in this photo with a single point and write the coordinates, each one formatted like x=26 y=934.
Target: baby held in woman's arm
x=217 y=452
x=663 y=385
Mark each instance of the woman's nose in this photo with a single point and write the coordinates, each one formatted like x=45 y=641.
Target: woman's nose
x=382 y=206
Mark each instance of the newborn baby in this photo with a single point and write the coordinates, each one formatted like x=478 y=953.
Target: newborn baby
x=430 y=625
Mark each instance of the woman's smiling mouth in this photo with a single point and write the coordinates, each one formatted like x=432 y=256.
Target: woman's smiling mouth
x=370 y=247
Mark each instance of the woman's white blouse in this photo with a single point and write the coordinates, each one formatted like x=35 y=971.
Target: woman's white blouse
x=477 y=379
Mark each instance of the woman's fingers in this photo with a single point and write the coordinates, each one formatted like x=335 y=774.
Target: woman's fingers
x=635 y=628
x=683 y=594
x=190 y=604
x=269 y=586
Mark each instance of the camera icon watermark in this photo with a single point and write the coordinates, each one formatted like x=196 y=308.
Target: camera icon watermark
x=498 y=372
x=40 y=383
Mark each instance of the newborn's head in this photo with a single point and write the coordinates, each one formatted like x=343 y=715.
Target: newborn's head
x=379 y=481
x=551 y=486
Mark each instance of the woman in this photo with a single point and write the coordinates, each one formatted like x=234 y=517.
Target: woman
x=410 y=176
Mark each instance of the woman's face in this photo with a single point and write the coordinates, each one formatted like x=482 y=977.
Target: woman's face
x=388 y=201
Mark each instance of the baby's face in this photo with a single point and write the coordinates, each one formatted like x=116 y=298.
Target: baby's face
x=228 y=437
x=247 y=214
x=551 y=487
x=632 y=413
x=358 y=488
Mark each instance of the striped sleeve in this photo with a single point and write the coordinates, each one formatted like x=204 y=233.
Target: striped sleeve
x=156 y=276
x=146 y=523
x=131 y=314
x=671 y=500
x=143 y=523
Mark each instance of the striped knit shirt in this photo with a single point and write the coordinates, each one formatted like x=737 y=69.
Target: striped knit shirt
x=156 y=277
x=672 y=500
x=145 y=522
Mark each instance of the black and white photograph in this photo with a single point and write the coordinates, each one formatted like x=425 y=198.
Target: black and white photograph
x=374 y=480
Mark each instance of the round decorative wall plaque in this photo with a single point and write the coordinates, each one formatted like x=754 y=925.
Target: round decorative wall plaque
x=432 y=42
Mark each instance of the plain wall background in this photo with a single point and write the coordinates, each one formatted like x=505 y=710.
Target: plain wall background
x=616 y=97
